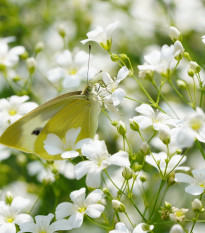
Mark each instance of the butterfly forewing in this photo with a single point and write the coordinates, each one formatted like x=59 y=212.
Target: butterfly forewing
x=23 y=133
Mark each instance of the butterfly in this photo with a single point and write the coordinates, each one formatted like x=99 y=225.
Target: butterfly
x=57 y=116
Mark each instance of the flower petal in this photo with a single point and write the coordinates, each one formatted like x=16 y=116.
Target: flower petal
x=121 y=158
x=194 y=189
x=63 y=210
x=94 y=210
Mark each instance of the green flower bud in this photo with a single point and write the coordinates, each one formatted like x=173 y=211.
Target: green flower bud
x=197 y=205
x=114 y=123
x=191 y=72
x=144 y=148
x=136 y=167
x=143 y=178
x=61 y=30
x=118 y=206
x=127 y=173
x=39 y=47
x=114 y=57
x=9 y=198
x=194 y=66
x=181 y=84
x=175 y=34
x=121 y=128
x=134 y=125
x=31 y=64
x=164 y=135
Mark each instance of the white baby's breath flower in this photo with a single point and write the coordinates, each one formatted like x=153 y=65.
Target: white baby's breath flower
x=176 y=229
x=5 y=152
x=177 y=215
x=13 y=213
x=143 y=228
x=55 y=145
x=43 y=225
x=196 y=183
x=98 y=160
x=102 y=36
x=81 y=206
x=120 y=227
x=203 y=39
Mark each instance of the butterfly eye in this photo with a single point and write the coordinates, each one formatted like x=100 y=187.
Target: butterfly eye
x=36 y=131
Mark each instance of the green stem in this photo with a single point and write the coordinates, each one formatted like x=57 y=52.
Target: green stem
x=129 y=219
x=200 y=148
x=98 y=224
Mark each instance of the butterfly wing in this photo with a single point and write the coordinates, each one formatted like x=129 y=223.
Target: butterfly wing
x=23 y=133
x=81 y=113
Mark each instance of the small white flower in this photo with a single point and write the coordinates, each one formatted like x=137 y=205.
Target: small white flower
x=81 y=206
x=194 y=128
x=13 y=108
x=143 y=228
x=43 y=225
x=4 y=152
x=161 y=158
x=203 y=39
x=150 y=118
x=196 y=183
x=174 y=33
x=176 y=229
x=102 y=36
x=112 y=91
x=13 y=213
x=67 y=148
x=177 y=215
x=120 y=227
x=9 y=57
x=98 y=160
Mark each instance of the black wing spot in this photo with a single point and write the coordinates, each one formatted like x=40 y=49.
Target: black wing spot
x=36 y=131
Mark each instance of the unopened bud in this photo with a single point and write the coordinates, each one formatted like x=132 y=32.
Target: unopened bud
x=181 y=84
x=178 y=50
x=118 y=206
x=144 y=148
x=9 y=198
x=127 y=173
x=175 y=34
x=39 y=47
x=121 y=128
x=197 y=205
x=194 y=66
x=136 y=167
x=31 y=64
x=114 y=123
x=146 y=74
x=61 y=30
x=164 y=135
x=134 y=125
x=114 y=57
x=191 y=72
x=143 y=178
x=176 y=229
x=146 y=227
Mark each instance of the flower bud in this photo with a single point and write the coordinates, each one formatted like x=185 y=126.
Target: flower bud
x=114 y=57
x=143 y=178
x=194 y=66
x=118 y=206
x=191 y=72
x=9 y=198
x=39 y=47
x=114 y=123
x=175 y=34
x=181 y=84
x=144 y=148
x=121 y=128
x=178 y=50
x=31 y=64
x=146 y=74
x=176 y=229
x=146 y=227
x=171 y=179
x=61 y=30
x=123 y=56
x=196 y=205
x=127 y=173
x=136 y=167
x=134 y=125
x=164 y=135
x=203 y=39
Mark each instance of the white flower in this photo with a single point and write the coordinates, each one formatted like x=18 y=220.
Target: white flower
x=142 y=228
x=114 y=93
x=196 y=183
x=176 y=229
x=13 y=213
x=174 y=33
x=161 y=158
x=203 y=39
x=102 y=36
x=98 y=160
x=149 y=118
x=177 y=215
x=80 y=207
x=120 y=227
x=194 y=128
x=72 y=69
x=43 y=225
x=13 y=108
x=9 y=57
x=4 y=152
x=162 y=61
x=67 y=148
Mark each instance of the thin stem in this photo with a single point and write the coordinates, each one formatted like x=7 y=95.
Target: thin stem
x=98 y=224
x=129 y=219
x=200 y=148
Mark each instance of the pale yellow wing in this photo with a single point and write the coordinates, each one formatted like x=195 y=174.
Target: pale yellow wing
x=23 y=133
x=81 y=113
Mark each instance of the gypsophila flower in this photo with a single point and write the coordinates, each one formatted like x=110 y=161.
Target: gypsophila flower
x=55 y=145
x=120 y=227
x=177 y=215
x=98 y=160
x=13 y=108
x=203 y=39
x=13 y=213
x=81 y=206
x=176 y=229
x=140 y=228
x=5 y=152
x=196 y=183
x=43 y=225
x=102 y=36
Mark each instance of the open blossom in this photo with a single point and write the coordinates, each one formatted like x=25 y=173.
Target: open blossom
x=81 y=205
x=68 y=149
x=9 y=57
x=140 y=228
x=149 y=117
x=194 y=128
x=13 y=108
x=163 y=61
x=98 y=160
x=13 y=213
x=102 y=36
x=178 y=215
x=72 y=69
x=196 y=183
x=43 y=225
x=112 y=92
x=161 y=158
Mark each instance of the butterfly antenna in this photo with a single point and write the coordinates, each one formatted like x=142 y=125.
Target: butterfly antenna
x=88 y=62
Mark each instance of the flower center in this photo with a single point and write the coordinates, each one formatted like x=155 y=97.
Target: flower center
x=72 y=71
x=10 y=220
x=12 y=112
x=196 y=125
x=82 y=209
